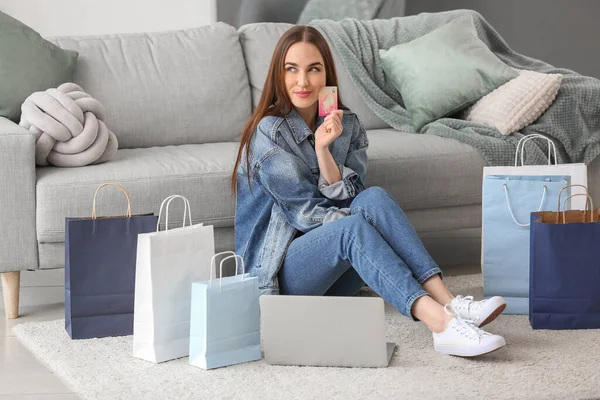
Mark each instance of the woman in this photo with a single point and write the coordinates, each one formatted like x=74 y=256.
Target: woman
x=307 y=225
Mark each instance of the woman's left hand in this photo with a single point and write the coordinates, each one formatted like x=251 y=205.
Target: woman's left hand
x=330 y=129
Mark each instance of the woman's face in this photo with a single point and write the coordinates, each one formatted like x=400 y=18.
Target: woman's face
x=304 y=74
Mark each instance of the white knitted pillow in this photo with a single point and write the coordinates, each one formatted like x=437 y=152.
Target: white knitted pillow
x=517 y=103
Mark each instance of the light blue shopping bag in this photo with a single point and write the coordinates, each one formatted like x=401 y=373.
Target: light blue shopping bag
x=508 y=201
x=225 y=320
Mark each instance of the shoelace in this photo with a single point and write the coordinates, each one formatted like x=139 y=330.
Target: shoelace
x=466 y=302
x=466 y=327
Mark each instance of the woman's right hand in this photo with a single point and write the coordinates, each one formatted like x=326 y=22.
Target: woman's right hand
x=330 y=129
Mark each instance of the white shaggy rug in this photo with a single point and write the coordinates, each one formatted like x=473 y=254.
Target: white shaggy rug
x=533 y=365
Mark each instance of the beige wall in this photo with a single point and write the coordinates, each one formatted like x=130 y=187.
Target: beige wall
x=88 y=17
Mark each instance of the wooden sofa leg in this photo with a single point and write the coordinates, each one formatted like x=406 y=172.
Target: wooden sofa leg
x=11 y=282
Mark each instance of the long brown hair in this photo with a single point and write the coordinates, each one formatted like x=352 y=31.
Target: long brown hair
x=274 y=100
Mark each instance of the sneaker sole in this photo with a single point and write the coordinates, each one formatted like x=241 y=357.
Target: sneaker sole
x=468 y=352
x=493 y=315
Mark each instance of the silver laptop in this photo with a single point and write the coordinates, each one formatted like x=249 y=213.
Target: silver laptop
x=324 y=331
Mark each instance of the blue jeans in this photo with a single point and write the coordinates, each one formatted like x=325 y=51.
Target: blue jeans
x=376 y=244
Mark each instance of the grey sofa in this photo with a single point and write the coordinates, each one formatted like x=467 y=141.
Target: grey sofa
x=177 y=101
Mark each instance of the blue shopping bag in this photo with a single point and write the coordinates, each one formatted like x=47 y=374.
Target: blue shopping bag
x=100 y=259
x=565 y=270
x=508 y=201
x=225 y=320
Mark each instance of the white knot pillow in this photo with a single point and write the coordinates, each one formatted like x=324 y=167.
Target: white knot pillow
x=69 y=127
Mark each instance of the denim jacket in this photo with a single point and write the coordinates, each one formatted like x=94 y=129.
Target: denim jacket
x=287 y=195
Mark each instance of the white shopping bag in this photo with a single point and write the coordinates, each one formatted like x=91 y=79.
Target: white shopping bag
x=577 y=171
x=167 y=263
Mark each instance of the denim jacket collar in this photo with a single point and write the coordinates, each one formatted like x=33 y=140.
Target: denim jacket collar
x=299 y=128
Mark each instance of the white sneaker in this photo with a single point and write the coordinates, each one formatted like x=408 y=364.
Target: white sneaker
x=480 y=312
x=463 y=338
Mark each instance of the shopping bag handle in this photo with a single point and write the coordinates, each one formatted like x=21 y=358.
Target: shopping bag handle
x=521 y=146
x=564 y=206
x=588 y=202
x=187 y=212
x=566 y=187
x=212 y=262
x=128 y=215
x=236 y=256
x=510 y=208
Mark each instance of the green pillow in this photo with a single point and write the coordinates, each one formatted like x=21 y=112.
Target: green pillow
x=443 y=71
x=28 y=64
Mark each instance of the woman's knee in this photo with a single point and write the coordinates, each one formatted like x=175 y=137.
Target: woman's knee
x=372 y=196
x=356 y=226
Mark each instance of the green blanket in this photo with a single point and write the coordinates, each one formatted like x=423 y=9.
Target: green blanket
x=572 y=122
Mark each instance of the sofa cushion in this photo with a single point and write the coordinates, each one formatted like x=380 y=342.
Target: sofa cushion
x=421 y=171
x=199 y=172
x=424 y=171
x=258 y=43
x=166 y=88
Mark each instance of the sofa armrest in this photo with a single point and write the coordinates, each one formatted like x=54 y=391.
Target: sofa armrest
x=18 y=241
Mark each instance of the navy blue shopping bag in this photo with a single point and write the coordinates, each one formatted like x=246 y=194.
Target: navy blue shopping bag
x=100 y=259
x=564 y=270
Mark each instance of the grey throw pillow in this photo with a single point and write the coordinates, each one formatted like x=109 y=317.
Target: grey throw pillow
x=337 y=10
x=28 y=63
